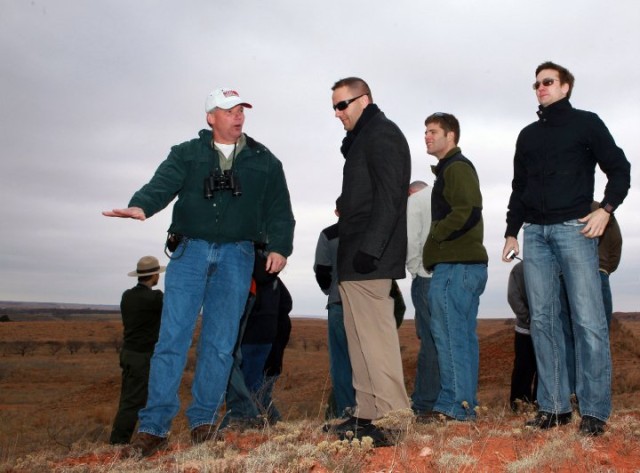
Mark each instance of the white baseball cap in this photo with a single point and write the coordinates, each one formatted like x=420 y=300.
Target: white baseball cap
x=223 y=98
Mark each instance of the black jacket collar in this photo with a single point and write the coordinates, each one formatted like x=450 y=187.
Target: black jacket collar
x=435 y=168
x=555 y=110
x=368 y=113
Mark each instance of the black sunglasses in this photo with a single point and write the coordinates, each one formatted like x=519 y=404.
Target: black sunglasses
x=445 y=117
x=345 y=103
x=546 y=82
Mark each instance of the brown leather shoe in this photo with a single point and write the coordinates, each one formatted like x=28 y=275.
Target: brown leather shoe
x=204 y=433
x=145 y=445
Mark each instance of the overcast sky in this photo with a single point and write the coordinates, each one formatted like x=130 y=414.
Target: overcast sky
x=94 y=94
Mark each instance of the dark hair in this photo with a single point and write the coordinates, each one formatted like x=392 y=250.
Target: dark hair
x=448 y=122
x=145 y=278
x=356 y=85
x=565 y=76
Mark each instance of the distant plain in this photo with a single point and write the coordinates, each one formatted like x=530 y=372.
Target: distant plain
x=60 y=378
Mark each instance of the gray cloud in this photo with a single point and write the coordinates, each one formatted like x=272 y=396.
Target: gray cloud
x=95 y=94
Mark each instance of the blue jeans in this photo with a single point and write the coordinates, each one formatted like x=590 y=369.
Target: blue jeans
x=565 y=318
x=265 y=399
x=551 y=250
x=606 y=297
x=454 y=298
x=246 y=382
x=239 y=402
x=215 y=278
x=567 y=330
x=339 y=361
x=427 y=383
x=254 y=357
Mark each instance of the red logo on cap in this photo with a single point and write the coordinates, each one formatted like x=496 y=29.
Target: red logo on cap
x=230 y=93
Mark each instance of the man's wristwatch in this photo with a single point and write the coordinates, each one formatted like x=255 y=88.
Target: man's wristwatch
x=607 y=208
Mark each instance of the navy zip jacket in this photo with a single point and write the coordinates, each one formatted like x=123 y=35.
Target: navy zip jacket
x=554 y=168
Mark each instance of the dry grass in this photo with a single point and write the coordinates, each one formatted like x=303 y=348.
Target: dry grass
x=495 y=442
x=56 y=410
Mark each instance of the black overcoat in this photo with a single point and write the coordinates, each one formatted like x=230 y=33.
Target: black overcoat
x=373 y=203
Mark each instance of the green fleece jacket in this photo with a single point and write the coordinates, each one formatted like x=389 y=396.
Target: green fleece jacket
x=261 y=214
x=457 y=228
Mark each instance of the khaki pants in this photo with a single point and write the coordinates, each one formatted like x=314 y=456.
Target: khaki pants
x=374 y=348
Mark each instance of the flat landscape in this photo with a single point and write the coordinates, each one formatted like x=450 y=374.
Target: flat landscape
x=59 y=385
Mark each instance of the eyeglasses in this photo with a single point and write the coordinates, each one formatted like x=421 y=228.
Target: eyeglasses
x=340 y=106
x=546 y=82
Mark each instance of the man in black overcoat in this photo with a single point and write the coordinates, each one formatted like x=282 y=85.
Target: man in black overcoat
x=371 y=252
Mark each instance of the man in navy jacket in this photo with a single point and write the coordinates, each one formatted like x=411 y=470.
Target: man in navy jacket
x=553 y=186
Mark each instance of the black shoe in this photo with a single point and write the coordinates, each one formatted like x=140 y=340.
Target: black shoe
x=546 y=420
x=591 y=426
x=379 y=436
x=352 y=424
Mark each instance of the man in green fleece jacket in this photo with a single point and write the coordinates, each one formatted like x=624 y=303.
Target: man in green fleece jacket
x=458 y=259
x=231 y=193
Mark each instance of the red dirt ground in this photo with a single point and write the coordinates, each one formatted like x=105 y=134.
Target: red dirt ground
x=492 y=452
x=493 y=443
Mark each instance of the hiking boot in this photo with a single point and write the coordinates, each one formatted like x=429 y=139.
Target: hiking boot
x=352 y=424
x=204 y=433
x=145 y=445
x=379 y=436
x=589 y=425
x=546 y=420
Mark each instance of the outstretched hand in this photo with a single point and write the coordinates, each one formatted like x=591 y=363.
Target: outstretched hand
x=132 y=212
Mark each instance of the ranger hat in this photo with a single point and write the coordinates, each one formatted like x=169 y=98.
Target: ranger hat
x=147 y=265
